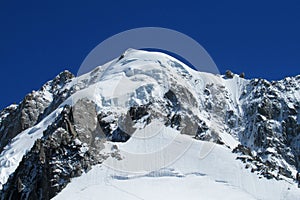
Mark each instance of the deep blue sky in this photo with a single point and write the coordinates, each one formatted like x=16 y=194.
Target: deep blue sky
x=39 y=40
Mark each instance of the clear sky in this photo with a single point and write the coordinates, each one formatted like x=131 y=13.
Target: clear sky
x=38 y=40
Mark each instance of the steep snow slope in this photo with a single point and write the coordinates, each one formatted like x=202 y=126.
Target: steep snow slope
x=178 y=126
x=217 y=175
x=20 y=145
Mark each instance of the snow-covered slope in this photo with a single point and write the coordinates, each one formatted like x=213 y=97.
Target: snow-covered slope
x=194 y=174
x=146 y=124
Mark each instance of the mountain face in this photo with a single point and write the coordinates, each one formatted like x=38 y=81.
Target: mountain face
x=150 y=104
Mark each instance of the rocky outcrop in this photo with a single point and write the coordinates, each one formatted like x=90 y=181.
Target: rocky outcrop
x=260 y=166
x=34 y=108
x=61 y=154
x=271 y=126
x=86 y=124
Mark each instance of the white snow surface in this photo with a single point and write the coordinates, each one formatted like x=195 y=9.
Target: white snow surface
x=204 y=170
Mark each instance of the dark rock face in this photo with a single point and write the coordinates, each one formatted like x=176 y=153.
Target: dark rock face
x=229 y=74
x=138 y=112
x=271 y=128
x=60 y=94
x=257 y=165
x=33 y=106
x=119 y=135
x=105 y=125
x=53 y=161
x=242 y=75
x=117 y=128
x=86 y=123
x=172 y=100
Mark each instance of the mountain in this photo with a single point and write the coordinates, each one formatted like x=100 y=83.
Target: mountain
x=146 y=126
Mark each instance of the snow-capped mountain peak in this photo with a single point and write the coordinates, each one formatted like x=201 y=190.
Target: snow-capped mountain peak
x=146 y=117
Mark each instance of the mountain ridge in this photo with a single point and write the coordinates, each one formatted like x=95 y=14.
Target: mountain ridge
x=255 y=119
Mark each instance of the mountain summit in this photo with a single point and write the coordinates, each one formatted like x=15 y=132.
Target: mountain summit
x=146 y=126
